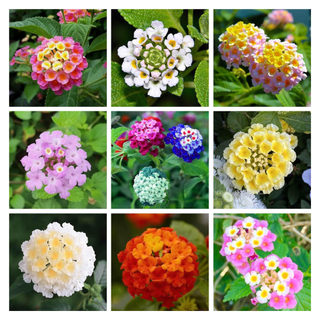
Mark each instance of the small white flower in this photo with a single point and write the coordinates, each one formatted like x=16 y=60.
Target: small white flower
x=170 y=78
x=231 y=231
x=141 y=77
x=129 y=64
x=129 y=80
x=239 y=243
x=187 y=43
x=157 y=28
x=248 y=223
x=230 y=249
x=155 y=88
x=252 y=278
x=140 y=37
x=260 y=232
x=185 y=59
x=255 y=242
x=272 y=262
x=285 y=274
x=173 y=41
x=264 y=295
x=281 y=288
x=124 y=51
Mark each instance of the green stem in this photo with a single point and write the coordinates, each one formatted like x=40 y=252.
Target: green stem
x=194 y=66
x=180 y=29
x=190 y=17
x=16 y=182
x=236 y=99
x=95 y=121
x=93 y=97
x=189 y=84
x=64 y=18
x=87 y=36
x=167 y=159
x=201 y=58
x=244 y=78
x=93 y=82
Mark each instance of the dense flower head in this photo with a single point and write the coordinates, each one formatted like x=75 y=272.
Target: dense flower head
x=240 y=43
x=143 y=220
x=242 y=239
x=277 y=65
x=57 y=260
x=72 y=15
x=56 y=161
x=23 y=54
x=147 y=135
x=150 y=185
x=153 y=61
x=58 y=63
x=187 y=142
x=277 y=19
x=260 y=159
x=159 y=264
x=275 y=281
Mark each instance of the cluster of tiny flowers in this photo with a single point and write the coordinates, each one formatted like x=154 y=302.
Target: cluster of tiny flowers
x=160 y=265
x=240 y=43
x=242 y=239
x=143 y=220
x=153 y=60
x=277 y=65
x=277 y=19
x=23 y=54
x=58 y=63
x=275 y=281
x=147 y=135
x=187 y=142
x=55 y=161
x=260 y=159
x=72 y=15
x=150 y=185
x=57 y=260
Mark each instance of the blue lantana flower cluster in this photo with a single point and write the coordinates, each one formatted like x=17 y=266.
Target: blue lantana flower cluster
x=187 y=142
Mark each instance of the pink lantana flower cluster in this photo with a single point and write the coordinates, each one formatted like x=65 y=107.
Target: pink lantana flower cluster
x=275 y=281
x=147 y=135
x=240 y=43
x=72 y=15
x=23 y=54
x=277 y=19
x=56 y=161
x=58 y=63
x=242 y=239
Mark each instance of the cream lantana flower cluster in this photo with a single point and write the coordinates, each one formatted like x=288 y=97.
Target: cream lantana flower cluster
x=57 y=260
x=153 y=60
x=260 y=159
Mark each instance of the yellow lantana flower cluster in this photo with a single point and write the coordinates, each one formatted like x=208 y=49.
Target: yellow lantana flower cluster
x=260 y=159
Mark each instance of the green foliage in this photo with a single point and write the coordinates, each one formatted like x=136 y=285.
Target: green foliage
x=77 y=31
x=201 y=82
x=238 y=289
x=303 y=298
x=99 y=43
x=100 y=273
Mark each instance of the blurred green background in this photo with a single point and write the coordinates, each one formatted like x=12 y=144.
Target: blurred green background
x=20 y=229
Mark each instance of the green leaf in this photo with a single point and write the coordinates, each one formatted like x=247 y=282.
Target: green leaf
x=77 y=31
x=195 y=168
x=139 y=304
x=292 y=98
x=280 y=249
x=96 y=72
x=301 y=257
x=55 y=305
x=303 y=298
x=13 y=48
x=238 y=289
x=275 y=227
x=201 y=83
x=204 y=24
x=100 y=273
x=293 y=193
x=46 y=204
x=116 y=133
x=23 y=68
x=226 y=82
x=188 y=231
x=142 y=18
x=19 y=287
x=66 y=119
x=23 y=115
x=299 y=121
x=204 y=287
x=237 y=121
x=100 y=16
x=30 y=91
x=98 y=138
x=99 y=197
x=100 y=181
x=284 y=97
x=17 y=201
x=41 y=194
x=266 y=118
x=121 y=94
x=99 y=43
x=305 y=157
x=194 y=33
x=67 y=99
x=38 y=25
x=190 y=185
x=178 y=88
x=76 y=195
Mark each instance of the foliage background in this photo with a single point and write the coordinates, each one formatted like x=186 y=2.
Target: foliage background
x=21 y=227
x=26 y=92
x=191 y=225
x=123 y=195
x=295 y=193
x=26 y=126
x=231 y=91
x=290 y=243
x=122 y=32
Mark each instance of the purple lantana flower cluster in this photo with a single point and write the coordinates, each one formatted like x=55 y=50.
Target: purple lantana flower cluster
x=56 y=161
x=187 y=142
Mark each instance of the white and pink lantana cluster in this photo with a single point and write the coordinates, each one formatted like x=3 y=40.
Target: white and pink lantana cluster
x=277 y=19
x=274 y=281
x=56 y=161
x=243 y=238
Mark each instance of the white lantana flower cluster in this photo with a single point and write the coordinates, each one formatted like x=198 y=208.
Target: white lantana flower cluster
x=57 y=260
x=153 y=61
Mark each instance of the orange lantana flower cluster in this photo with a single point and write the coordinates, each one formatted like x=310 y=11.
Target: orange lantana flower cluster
x=159 y=264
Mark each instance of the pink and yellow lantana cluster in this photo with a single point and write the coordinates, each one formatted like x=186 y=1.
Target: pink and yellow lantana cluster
x=72 y=15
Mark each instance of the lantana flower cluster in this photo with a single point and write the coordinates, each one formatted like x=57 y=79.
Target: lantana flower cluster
x=240 y=43
x=150 y=185
x=56 y=161
x=242 y=239
x=275 y=281
x=260 y=159
x=147 y=135
x=58 y=63
x=57 y=260
x=153 y=61
x=72 y=15
x=277 y=19
x=187 y=142
x=23 y=54
x=159 y=264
